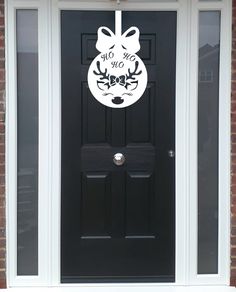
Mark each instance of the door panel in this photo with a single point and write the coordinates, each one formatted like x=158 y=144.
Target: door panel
x=96 y=205
x=118 y=222
x=139 y=205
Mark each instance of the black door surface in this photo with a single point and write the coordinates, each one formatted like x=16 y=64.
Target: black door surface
x=118 y=222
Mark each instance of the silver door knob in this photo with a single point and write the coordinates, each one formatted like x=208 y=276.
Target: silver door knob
x=171 y=153
x=119 y=159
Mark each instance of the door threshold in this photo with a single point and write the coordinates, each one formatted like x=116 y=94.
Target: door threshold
x=123 y=288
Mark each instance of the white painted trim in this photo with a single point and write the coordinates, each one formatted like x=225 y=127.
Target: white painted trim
x=44 y=141
x=121 y=288
x=225 y=142
x=181 y=145
x=56 y=145
x=211 y=5
x=193 y=105
x=108 y=5
x=186 y=144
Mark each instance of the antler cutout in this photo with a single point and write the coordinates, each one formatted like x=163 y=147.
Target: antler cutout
x=104 y=75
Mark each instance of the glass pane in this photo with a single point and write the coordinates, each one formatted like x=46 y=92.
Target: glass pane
x=27 y=141
x=208 y=108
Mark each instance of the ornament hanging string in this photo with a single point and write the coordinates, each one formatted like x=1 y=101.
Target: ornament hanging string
x=118 y=23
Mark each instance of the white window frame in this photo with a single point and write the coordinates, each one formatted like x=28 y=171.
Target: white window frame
x=186 y=140
x=11 y=142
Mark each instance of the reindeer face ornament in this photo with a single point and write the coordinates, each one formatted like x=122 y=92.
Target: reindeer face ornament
x=117 y=77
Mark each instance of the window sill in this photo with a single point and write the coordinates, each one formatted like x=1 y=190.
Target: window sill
x=123 y=288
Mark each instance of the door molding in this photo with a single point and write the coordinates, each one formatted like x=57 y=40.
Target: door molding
x=181 y=117
x=186 y=134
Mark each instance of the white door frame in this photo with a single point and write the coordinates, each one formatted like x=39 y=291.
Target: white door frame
x=186 y=139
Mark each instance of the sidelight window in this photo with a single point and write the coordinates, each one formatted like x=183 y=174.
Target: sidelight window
x=208 y=125
x=27 y=141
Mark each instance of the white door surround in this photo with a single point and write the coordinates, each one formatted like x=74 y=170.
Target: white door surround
x=186 y=142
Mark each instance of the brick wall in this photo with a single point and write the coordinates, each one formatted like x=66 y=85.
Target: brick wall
x=233 y=152
x=2 y=150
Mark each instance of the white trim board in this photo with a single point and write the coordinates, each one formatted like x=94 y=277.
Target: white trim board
x=186 y=154
x=122 y=288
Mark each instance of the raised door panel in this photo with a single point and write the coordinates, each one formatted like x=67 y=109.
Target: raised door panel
x=96 y=206
x=140 y=205
x=140 y=118
x=96 y=126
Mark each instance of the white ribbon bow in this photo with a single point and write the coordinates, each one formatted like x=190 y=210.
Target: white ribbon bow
x=128 y=40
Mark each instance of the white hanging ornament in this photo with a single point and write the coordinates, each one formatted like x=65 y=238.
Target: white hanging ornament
x=117 y=77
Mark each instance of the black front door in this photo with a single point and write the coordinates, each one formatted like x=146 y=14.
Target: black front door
x=118 y=222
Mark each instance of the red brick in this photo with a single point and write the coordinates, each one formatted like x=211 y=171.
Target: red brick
x=233 y=107
x=233 y=167
x=2 y=232
x=233 y=272
x=2 y=149
x=2 y=213
x=233 y=240
x=234 y=76
x=2 y=264
x=233 y=148
x=2 y=221
x=233 y=94
x=2 y=84
x=2 y=11
x=234 y=36
x=234 y=52
x=2 y=20
x=233 y=221
x=233 y=251
x=233 y=86
x=233 y=127
x=233 y=136
x=2 y=118
x=233 y=232
x=2 y=158
x=3 y=281
x=2 y=193
x=2 y=242
x=2 y=169
x=2 y=74
x=232 y=281
x=2 y=137
x=233 y=197
x=233 y=157
x=2 y=33
x=233 y=61
x=2 y=253
x=233 y=181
